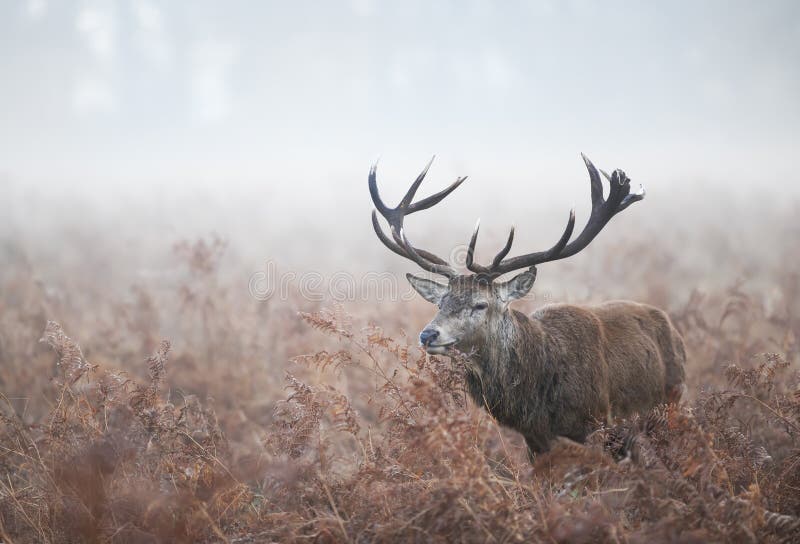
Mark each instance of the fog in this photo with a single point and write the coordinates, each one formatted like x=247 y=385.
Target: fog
x=146 y=122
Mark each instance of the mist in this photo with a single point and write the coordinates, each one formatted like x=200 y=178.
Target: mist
x=147 y=123
x=261 y=98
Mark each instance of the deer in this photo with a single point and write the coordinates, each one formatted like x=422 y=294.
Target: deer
x=563 y=370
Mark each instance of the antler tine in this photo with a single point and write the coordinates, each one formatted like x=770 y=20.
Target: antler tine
x=562 y=242
x=503 y=252
x=429 y=201
x=630 y=199
x=395 y=216
x=471 y=247
x=594 y=180
x=373 y=191
x=404 y=204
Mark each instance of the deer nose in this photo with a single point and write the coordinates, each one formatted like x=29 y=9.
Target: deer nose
x=427 y=336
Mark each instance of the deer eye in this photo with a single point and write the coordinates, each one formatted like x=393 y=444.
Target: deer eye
x=480 y=306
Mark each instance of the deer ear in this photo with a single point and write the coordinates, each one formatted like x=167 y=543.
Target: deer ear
x=429 y=289
x=518 y=286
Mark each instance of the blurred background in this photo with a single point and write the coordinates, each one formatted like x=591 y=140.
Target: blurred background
x=130 y=125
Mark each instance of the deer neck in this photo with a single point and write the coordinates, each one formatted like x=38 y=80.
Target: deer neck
x=498 y=343
x=504 y=340
x=496 y=376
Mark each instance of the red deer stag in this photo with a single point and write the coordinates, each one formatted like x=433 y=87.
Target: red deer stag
x=564 y=368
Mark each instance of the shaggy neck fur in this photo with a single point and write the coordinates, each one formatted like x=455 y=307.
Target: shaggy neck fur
x=508 y=384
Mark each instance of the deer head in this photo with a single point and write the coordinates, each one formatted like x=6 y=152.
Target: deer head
x=472 y=306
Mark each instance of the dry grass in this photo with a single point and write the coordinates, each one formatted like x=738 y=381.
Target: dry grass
x=259 y=424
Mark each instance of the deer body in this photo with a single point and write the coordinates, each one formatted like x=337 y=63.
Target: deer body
x=566 y=367
x=560 y=371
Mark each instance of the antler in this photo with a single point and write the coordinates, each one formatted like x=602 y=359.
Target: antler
x=399 y=243
x=619 y=198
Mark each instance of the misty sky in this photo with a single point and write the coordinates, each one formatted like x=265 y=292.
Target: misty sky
x=303 y=95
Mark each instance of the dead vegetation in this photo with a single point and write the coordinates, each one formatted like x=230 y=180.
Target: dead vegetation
x=253 y=423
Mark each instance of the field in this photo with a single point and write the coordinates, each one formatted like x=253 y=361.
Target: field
x=147 y=396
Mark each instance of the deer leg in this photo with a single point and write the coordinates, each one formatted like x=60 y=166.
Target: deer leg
x=675 y=393
x=535 y=446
